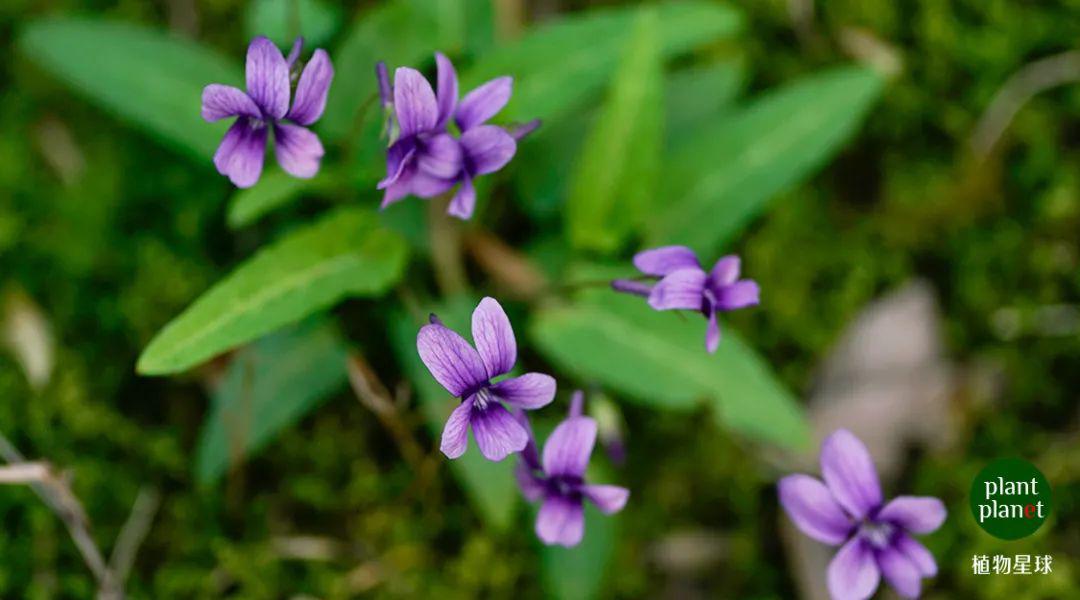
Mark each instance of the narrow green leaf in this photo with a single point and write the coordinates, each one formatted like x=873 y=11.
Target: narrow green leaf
x=490 y=486
x=659 y=359
x=722 y=178
x=283 y=20
x=615 y=176
x=269 y=386
x=143 y=76
x=701 y=94
x=578 y=573
x=310 y=269
x=554 y=72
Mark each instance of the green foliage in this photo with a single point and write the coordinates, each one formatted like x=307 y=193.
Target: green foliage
x=615 y=175
x=310 y=269
x=579 y=572
x=268 y=386
x=489 y=485
x=283 y=20
x=275 y=189
x=723 y=177
x=141 y=75
x=659 y=360
x=554 y=73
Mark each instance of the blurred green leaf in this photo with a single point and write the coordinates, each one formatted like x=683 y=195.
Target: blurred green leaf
x=659 y=359
x=283 y=20
x=555 y=72
x=723 y=177
x=578 y=573
x=274 y=189
x=490 y=486
x=269 y=386
x=700 y=94
x=615 y=175
x=141 y=75
x=310 y=269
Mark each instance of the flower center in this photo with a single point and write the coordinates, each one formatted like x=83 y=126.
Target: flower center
x=878 y=534
x=567 y=486
x=482 y=398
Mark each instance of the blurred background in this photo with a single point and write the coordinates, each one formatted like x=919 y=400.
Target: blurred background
x=901 y=178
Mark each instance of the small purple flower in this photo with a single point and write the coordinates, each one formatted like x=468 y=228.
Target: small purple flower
x=467 y=373
x=558 y=479
x=423 y=159
x=847 y=510
x=684 y=285
x=265 y=106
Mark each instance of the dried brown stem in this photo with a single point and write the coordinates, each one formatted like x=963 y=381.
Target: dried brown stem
x=509 y=268
x=445 y=238
x=373 y=394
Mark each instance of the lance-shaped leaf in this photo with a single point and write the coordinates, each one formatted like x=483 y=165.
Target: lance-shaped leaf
x=615 y=175
x=269 y=385
x=143 y=76
x=700 y=94
x=560 y=66
x=659 y=359
x=275 y=189
x=310 y=269
x=490 y=486
x=722 y=178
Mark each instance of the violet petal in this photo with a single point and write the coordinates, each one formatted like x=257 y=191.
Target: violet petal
x=681 y=289
x=441 y=157
x=812 y=508
x=497 y=433
x=494 y=337
x=661 y=261
x=414 y=102
x=529 y=391
x=464 y=201
x=455 y=435
x=560 y=521
x=917 y=514
x=267 y=77
x=725 y=271
x=447 y=94
x=712 y=333
x=298 y=150
x=488 y=148
x=451 y=360
x=849 y=472
x=240 y=155
x=483 y=103
x=399 y=156
x=738 y=295
x=900 y=572
x=312 y=89
x=608 y=498
x=917 y=554
x=223 y=101
x=853 y=574
x=569 y=446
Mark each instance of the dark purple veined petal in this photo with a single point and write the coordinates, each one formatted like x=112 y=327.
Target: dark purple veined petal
x=298 y=150
x=399 y=156
x=529 y=391
x=441 y=157
x=681 y=289
x=399 y=190
x=530 y=454
x=483 y=103
x=853 y=574
x=267 y=77
x=488 y=148
x=497 y=433
x=494 y=337
x=423 y=185
x=455 y=435
x=294 y=52
x=464 y=201
x=738 y=295
x=900 y=572
x=917 y=554
x=568 y=448
x=224 y=101
x=447 y=92
x=712 y=333
x=725 y=271
x=661 y=261
x=917 y=514
x=531 y=487
x=240 y=155
x=812 y=508
x=414 y=102
x=451 y=360
x=608 y=498
x=312 y=89
x=560 y=521
x=849 y=472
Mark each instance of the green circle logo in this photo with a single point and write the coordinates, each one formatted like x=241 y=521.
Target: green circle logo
x=1010 y=498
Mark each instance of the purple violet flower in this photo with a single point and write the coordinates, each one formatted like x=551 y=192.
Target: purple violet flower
x=684 y=285
x=558 y=478
x=423 y=159
x=467 y=373
x=265 y=106
x=847 y=510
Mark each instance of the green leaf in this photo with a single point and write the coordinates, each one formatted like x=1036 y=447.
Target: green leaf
x=283 y=20
x=143 y=76
x=722 y=178
x=490 y=486
x=578 y=573
x=697 y=95
x=275 y=189
x=615 y=176
x=269 y=386
x=310 y=269
x=659 y=359
x=554 y=72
